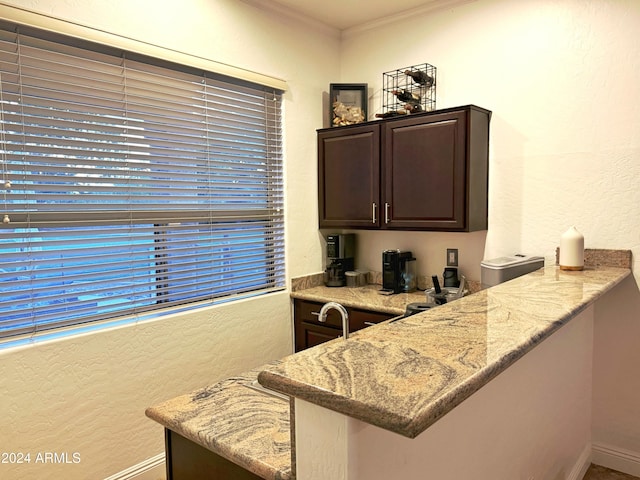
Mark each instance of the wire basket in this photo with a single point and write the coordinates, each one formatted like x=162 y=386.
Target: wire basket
x=409 y=90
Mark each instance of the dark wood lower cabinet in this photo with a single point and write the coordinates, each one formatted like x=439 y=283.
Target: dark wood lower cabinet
x=187 y=460
x=311 y=335
x=310 y=332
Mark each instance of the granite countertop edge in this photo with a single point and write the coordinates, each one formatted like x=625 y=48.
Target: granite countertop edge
x=511 y=299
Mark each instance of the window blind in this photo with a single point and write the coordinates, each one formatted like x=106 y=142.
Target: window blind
x=135 y=184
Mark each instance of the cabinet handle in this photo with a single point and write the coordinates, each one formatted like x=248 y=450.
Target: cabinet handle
x=374 y=217
x=370 y=324
x=386 y=212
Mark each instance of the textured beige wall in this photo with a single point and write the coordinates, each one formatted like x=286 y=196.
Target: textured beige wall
x=616 y=383
x=88 y=393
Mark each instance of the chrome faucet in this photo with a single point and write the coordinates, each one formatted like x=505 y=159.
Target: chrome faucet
x=322 y=316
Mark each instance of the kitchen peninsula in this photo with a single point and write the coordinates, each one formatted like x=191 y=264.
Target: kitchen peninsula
x=497 y=381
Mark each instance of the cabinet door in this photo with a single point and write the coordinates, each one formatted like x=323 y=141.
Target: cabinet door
x=349 y=177
x=309 y=335
x=186 y=460
x=359 y=319
x=425 y=172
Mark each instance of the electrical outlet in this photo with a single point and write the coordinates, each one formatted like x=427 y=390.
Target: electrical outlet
x=452 y=257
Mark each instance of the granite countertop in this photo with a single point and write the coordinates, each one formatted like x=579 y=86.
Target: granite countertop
x=405 y=375
x=245 y=426
x=401 y=376
x=366 y=298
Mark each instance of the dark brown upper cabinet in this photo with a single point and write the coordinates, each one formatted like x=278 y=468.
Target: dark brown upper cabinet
x=420 y=172
x=349 y=176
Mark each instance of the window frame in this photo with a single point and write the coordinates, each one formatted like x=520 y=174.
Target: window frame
x=113 y=218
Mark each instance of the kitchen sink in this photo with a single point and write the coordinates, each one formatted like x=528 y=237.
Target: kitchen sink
x=255 y=385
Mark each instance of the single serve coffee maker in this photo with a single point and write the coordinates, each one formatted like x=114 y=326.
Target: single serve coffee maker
x=341 y=252
x=398 y=272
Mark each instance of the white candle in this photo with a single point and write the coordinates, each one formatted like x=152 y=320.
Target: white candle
x=571 y=250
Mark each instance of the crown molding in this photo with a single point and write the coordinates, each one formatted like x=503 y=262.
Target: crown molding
x=430 y=7
x=278 y=9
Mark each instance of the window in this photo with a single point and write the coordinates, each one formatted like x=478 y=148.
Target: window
x=136 y=184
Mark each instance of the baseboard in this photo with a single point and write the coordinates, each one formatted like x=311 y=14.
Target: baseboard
x=582 y=465
x=605 y=455
x=151 y=469
x=616 y=458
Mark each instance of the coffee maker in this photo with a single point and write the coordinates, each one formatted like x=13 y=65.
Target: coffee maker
x=398 y=272
x=341 y=253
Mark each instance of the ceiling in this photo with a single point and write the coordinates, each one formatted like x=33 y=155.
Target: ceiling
x=345 y=14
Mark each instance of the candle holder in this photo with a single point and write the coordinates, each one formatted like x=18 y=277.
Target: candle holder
x=571 y=250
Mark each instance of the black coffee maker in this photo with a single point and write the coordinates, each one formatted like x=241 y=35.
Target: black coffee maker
x=398 y=272
x=341 y=254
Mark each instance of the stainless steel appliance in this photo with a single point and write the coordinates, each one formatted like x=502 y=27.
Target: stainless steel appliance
x=341 y=252
x=398 y=271
x=498 y=270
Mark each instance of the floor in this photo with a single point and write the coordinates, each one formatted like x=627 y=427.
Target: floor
x=597 y=472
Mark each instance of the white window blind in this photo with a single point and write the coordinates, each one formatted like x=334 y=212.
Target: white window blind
x=135 y=185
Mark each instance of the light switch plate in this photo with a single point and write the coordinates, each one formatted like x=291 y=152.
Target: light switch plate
x=452 y=257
